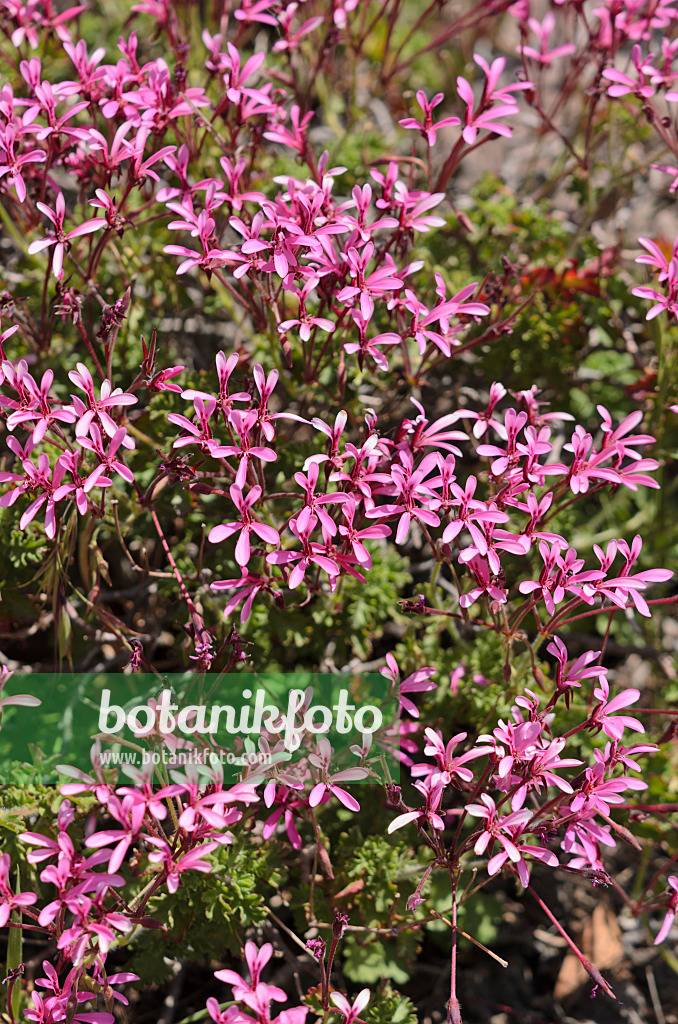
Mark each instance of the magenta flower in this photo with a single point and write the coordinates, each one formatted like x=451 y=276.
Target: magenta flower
x=545 y=55
x=329 y=785
x=108 y=458
x=427 y=815
x=413 y=494
x=320 y=759
x=130 y=814
x=313 y=503
x=245 y=525
x=175 y=866
x=97 y=408
x=671 y=911
x=305 y=321
x=39 y=409
x=354 y=538
x=196 y=433
x=654 y=257
x=350 y=1011
x=417 y=682
x=242 y=424
x=33 y=478
x=11 y=163
x=580 y=669
x=471 y=515
x=662 y=303
x=474 y=122
x=60 y=239
x=665 y=168
x=8 y=900
x=256 y=961
x=311 y=553
x=295 y=139
x=601 y=716
x=640 y=86
x=496 y=862
x=287 y=802
x=560 y=574
x=367 y=285
x=449 y=765
x=597 y=793
x=496 y=827
x=427 y=127
x=370 y=346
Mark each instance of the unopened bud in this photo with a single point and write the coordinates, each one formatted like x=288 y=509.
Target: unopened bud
x=339 y=925
x=108 y=998
x=393 y=793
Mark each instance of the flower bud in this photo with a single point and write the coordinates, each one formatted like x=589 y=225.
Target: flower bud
x=339 y=925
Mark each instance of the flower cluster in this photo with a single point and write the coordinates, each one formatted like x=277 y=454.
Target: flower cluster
x=344 y=418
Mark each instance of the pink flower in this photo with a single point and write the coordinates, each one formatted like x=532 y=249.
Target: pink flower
x=130 y=814
x=314 y=503
x=370 y=346
x=417 y=682
x=97 y=408
x=311 y=553
x=327 y=783
x=108 y=458
x=175 y=866
x=496 y=828
x=413 y=494
x=448 y=764
x=305 y=321
x=671 y=911
x=580 y=669
x=350 y=1011
x=597 y=793
x=245 y=525
x=354 y=538
x=432 y=793
x=60 y=239
x=486 y=583
x=654 y=257
x=601 y=716
x=249 y=585
x=475 y=121
x=638 y=86
x=242 y=424
x=8 y=900
x=11 y=163
x=295 y=139
x=544 y=55
x=427 y=128
x=256 y=961
x=367 y=286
